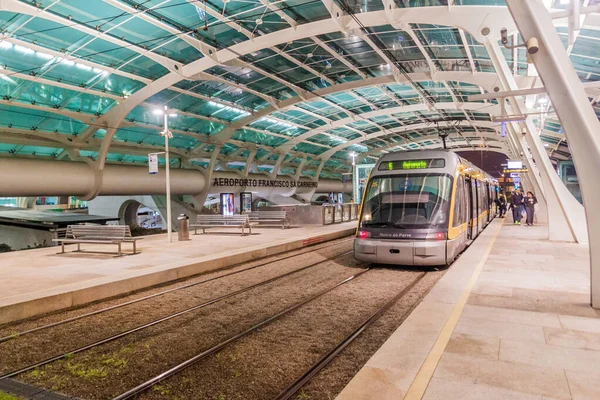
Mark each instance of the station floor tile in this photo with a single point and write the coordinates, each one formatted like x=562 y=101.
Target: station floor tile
x=518 y=377
x=443 y=389
x=573 y=339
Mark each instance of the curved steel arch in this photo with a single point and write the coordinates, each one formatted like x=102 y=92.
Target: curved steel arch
x=491 y=137
x=479 y=107
x=409 y=128
x=463 y=17
x=486 y=80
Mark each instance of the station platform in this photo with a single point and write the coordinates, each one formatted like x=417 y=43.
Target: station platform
x=40 y=280
x=509 y=320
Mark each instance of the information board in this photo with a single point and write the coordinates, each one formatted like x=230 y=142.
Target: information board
x=516 y=164
x=153 y=164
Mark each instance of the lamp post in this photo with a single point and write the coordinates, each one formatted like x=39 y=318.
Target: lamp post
x=167 y=134
x=354 y=185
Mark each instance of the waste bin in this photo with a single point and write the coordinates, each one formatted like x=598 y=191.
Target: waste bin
x=183 y=227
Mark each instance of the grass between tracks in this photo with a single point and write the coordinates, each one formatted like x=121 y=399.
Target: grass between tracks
x=6 y=396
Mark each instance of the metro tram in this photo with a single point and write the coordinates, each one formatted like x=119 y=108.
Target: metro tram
x=423 y=208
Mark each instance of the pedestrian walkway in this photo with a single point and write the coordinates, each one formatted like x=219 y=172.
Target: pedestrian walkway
x=510 y=320
x=38 y=281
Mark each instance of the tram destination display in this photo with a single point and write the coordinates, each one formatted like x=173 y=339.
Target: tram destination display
x=412 y=164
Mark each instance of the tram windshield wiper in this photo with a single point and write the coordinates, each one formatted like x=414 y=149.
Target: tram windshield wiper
x=383 y=224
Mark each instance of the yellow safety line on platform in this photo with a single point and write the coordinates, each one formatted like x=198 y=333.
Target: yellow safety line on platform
x=421 y=382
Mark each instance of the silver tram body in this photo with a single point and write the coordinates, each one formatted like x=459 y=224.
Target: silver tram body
x=422 y=208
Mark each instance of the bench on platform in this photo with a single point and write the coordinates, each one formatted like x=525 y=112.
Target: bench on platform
x=269 y=218
x=98 y=234
x=205 y=222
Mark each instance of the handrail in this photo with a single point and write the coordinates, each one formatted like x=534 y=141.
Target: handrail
x=338 y=213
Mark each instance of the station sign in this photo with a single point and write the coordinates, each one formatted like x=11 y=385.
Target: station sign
x=520 y=170
x=262 y=183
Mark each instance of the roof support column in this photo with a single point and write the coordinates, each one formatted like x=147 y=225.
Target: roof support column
x=574 y=112
x=276 y=167
x=565 y=214
x=249 y=162
x=298 y=173
x=200 y=199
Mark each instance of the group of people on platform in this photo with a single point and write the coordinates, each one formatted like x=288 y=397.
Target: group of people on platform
x=519 y=203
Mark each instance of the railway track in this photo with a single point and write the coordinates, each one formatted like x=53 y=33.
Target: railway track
x=294 y=387
x=171 y=316
x=206 y=353
x=162 y=293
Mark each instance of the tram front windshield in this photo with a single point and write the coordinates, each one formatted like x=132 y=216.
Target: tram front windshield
x=414 y=201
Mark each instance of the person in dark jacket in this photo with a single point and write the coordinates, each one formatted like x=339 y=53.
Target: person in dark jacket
x=516 y=202
x=502 y=205
x=530 y=202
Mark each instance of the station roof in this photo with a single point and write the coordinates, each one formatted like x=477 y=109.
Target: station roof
x=261 y=79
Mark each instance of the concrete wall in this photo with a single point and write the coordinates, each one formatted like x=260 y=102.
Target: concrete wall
x=19 y=238
x=113 y=206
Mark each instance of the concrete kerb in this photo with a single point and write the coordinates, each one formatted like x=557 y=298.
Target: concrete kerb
x=25 y=307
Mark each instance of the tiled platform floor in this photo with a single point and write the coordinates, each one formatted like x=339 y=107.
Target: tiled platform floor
x=526 y=332
x=35 y=281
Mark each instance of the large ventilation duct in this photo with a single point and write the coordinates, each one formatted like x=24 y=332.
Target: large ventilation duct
x=26 y=177
x=29 y=177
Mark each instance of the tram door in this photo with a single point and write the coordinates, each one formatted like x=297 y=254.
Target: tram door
x=476 y=208
x=491 y=201
x=470 y=201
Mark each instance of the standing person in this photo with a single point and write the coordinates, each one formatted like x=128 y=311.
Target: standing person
x=516 y=202
x=502 y=204
x=530 y=202
x=522 y=208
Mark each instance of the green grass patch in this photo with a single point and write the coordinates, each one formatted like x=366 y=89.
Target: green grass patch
x=6 y=396
x=81 y=371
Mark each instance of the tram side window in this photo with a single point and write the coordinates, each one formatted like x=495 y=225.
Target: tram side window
x=459 y=204
x=484 y=194
x=480 y=191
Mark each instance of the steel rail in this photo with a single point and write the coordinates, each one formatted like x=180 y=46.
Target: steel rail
x=289 y=391
x=78 y=317
x=151 y=382
x=160 y=320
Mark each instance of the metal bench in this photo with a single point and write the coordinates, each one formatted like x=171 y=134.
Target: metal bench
x=269 y=218
x=98 y=234
x=205 y=222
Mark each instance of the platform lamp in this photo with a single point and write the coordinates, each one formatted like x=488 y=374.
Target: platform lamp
x=354 y=192
x=166 y=112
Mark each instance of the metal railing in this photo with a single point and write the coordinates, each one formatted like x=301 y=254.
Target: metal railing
x=338 y=213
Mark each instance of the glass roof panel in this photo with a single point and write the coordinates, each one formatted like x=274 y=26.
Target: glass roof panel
x=85 y=81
